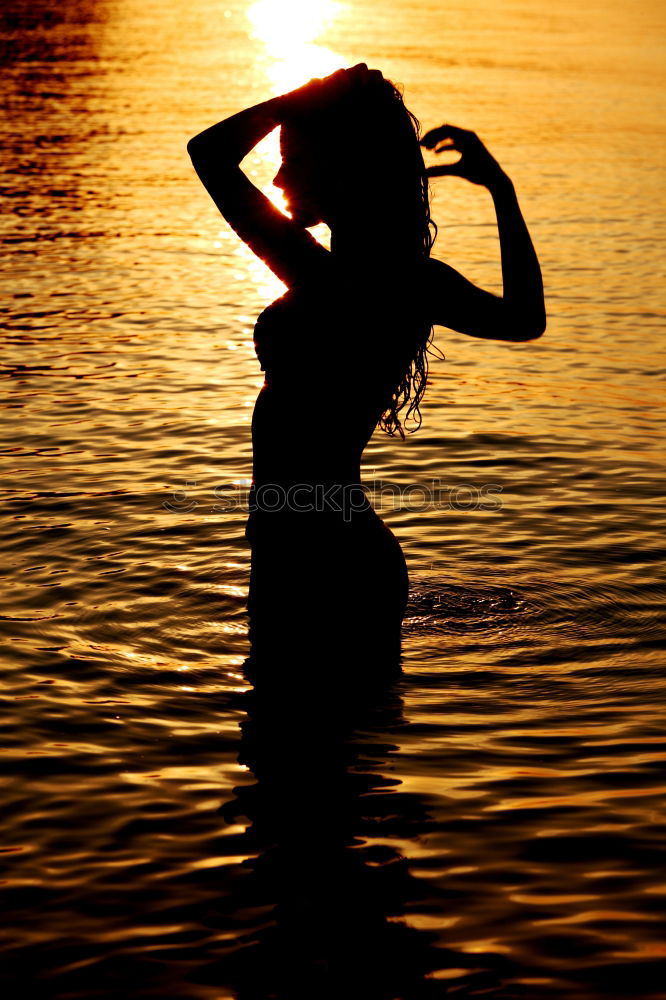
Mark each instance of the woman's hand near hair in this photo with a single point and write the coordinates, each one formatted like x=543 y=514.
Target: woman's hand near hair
x=321 y=94
x=523 y=312
x=476 y=164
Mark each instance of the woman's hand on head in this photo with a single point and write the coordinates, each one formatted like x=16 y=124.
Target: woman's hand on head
x=360 y=75
x=321 y=94
x=475 y=164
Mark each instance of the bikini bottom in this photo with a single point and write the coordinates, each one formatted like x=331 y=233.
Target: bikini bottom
x=326 y=594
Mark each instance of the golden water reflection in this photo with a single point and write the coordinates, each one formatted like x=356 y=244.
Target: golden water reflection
x=524 y=774
x=288 y=31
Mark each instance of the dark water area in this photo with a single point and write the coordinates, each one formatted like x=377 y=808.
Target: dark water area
x=490 y=823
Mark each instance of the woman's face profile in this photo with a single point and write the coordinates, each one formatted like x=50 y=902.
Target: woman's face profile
x=300 y=177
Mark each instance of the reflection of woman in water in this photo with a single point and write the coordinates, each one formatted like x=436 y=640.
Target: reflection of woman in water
x=344 y=349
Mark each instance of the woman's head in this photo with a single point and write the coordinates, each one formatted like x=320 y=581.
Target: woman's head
x=356 y=161
x=356 y=164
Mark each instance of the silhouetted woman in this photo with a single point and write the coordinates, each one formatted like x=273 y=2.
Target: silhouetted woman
x=344 y=349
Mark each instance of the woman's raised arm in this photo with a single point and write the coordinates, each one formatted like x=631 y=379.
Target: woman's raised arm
x=287 y=248
x=283 y=244
x=520 y=313
x=226 y=144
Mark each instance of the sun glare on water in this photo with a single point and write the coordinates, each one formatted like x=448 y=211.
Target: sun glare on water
x=289 y=30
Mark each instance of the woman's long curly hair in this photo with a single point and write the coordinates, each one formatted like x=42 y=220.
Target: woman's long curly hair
x=372 y=158
x=411 y=389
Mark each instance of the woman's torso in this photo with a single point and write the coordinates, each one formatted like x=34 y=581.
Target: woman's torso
x=331 y=366
x=332 y=359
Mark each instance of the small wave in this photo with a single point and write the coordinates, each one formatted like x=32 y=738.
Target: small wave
x=445 y=606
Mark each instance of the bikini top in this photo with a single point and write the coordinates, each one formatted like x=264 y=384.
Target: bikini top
x=314 y=331
x=280 y=335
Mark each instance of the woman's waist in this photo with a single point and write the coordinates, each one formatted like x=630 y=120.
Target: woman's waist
x=310 y=510
x=290 y=496
x=314 y=464
x=304 y=423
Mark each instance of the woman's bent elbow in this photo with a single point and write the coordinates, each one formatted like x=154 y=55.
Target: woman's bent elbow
x=529 y=330
x=539 y=328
